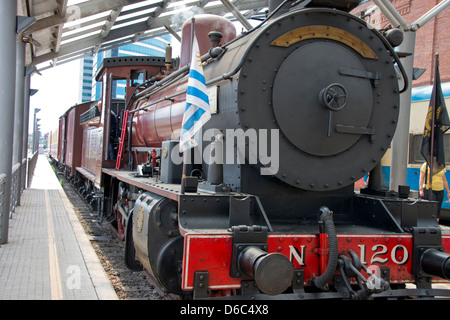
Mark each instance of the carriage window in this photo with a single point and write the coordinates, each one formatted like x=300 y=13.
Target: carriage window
x=415 y=157
x=137 y=77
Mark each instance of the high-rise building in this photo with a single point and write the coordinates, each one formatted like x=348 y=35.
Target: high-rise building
x=91 y=90
x=86 y=75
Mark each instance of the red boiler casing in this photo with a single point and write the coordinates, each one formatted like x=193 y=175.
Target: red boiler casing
x=162 y=121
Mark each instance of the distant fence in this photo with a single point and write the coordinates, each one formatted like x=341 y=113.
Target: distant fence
x=31 y=165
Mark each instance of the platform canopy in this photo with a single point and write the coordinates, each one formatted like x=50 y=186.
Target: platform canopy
x=65 y=30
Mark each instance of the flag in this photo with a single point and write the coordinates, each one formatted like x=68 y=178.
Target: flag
x=197 y=111
x=441 y=125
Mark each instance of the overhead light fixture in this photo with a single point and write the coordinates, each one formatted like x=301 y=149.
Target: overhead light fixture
x=417 y=72
x=23 y=23
x=29 y=70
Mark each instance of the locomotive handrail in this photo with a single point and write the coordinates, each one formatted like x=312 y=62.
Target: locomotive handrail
x=176 y=74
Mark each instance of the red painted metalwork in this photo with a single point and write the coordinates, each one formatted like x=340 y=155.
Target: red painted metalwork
x=160 y=121
x=212 y=253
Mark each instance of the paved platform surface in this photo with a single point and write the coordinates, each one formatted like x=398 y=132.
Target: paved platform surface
x=48 y=255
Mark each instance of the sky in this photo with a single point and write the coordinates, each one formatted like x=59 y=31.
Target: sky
x=58 y=90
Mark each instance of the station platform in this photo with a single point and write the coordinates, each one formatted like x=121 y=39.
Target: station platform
x=48 y=256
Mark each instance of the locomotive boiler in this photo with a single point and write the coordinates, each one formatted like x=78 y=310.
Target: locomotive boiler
x=303 y=106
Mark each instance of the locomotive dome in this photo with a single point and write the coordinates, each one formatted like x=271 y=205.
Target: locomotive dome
x=203 y=25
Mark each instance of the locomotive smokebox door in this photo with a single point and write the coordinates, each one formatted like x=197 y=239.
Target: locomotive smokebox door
x=337 y=103
x=330 y=88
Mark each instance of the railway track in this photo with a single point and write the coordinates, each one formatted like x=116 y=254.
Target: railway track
x=129 y=285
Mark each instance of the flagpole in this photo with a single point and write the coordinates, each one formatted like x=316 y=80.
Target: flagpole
x=433 y=129
x=185 y=153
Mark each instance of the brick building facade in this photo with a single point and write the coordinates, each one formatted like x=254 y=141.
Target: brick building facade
x=431 y=39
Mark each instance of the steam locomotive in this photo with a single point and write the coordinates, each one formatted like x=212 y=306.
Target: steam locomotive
x=303 y=106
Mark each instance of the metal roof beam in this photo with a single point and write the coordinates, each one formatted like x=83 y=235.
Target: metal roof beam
x=62 y=7
x=129 y=31
x=84 y=24
x=237 y=14
x=111 y=20
x=80 y=34
x=137 y=17
x=157 y=13
x=88 y=51
x=79 y=11
x=62 y=13
x=416 y=25
x=136 y=10
x=172 y=32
